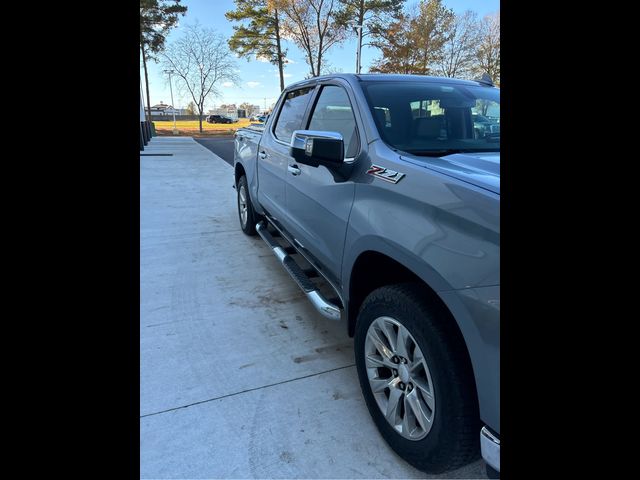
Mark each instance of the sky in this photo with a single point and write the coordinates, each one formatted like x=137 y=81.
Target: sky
x=259 y=81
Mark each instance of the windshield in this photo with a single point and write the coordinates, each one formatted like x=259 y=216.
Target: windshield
x=435 y=119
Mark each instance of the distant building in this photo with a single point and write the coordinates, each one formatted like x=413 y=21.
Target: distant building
x=164 y=109
x=230 y=110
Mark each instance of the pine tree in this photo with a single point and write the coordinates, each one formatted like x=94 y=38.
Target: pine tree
x=261 y=36
x=157 y=18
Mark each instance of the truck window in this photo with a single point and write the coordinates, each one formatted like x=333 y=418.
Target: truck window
x=291 y=113
x=333 y=113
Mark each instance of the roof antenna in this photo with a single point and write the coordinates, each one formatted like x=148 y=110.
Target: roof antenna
x=486 y=79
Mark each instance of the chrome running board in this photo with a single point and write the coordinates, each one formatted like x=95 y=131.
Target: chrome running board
x=321 y=304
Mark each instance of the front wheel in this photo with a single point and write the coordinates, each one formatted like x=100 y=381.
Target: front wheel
x=246 y=213
x=416 y=379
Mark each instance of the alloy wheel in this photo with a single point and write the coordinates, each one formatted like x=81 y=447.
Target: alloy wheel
x=399 y=378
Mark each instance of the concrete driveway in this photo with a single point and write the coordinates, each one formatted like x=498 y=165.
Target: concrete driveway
x=239 y=376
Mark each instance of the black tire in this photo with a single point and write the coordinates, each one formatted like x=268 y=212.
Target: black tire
x=248 y=226
x=454 y=437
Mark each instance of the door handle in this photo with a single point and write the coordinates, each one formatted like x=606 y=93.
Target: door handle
x=293 y=169
x=262 y=155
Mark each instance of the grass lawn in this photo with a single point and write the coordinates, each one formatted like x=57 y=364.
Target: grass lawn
x=191 y=127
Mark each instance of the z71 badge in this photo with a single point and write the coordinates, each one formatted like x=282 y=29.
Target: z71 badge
x=385 y=174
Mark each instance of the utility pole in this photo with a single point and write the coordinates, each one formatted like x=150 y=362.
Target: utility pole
x=173 y=106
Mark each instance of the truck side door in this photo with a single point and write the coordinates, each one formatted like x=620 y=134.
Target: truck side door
x=273 y=151
x=318 y=203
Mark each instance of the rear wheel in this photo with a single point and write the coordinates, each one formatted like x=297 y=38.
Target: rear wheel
x=245 y=209
x=416 y=379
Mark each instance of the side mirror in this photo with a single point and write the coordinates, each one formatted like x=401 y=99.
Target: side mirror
x=314 y=148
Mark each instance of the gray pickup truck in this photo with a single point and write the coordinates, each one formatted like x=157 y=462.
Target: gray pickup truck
x=380 y=195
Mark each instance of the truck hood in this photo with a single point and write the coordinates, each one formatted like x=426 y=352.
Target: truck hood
x=481 y=169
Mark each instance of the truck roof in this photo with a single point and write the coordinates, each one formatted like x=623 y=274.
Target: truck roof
x=352 y=77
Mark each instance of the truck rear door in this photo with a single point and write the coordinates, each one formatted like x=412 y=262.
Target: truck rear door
x=273 y=151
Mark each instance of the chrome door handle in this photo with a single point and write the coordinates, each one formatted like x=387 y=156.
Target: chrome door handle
x=262 y=155
x=293 y=169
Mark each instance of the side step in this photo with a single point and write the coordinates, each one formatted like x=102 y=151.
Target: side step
x=301 y=277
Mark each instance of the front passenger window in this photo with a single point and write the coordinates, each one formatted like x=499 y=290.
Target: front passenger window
x=333 y=113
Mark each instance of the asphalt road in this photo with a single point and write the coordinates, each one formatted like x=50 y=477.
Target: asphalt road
x=221 y=146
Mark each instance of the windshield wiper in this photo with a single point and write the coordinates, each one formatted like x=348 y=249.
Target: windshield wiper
x=434 y=153
x=448 y=151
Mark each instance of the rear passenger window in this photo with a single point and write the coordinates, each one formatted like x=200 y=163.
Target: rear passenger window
x=291 y=113
x=333 y=113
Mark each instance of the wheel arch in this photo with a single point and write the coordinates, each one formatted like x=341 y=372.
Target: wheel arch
x=372 y=269
x=239 y=171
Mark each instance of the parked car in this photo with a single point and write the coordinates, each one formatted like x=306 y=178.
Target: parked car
x=220 y=119
x=485 y=127
x=390 y=222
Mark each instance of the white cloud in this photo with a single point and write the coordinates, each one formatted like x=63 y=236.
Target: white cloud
x=262 y=59
x=288 y=60
x=253 y=84
x=227 y=84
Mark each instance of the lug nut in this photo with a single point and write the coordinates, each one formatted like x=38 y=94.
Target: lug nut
x=409 y=387
x=401 y=386
x=395 y=359
x=395 y=373
x=403 y=360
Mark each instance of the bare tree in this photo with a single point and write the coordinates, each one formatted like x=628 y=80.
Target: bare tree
x=312 y=25
x=200 y=60
x=488 y=52
x=459 y=51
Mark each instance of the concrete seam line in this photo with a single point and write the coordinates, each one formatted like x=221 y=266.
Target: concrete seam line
x=245 y=391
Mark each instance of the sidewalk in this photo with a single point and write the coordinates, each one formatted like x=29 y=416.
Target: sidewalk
x=239 y=376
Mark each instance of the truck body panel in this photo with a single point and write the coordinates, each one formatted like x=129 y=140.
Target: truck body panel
x=441 y=220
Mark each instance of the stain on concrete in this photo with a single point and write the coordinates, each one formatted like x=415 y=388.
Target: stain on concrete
x=322 y=351
x=286 y=457
x=334 y=348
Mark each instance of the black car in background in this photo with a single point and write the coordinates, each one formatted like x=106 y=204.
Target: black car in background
x=219 y=119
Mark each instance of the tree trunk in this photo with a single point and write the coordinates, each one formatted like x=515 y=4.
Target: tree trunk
x=146 y=79
x=360 y=22
x=200 y=112
x=280 y=64
x=321 y=38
